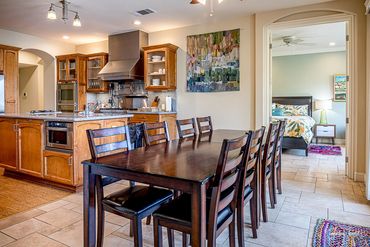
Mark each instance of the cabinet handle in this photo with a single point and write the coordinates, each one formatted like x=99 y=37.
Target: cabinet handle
x=70 y=161
x=15 y=127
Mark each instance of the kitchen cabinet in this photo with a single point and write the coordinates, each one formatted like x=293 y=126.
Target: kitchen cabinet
x=72 y=68
x=8 y=145
x=1 y=60
x=157 y=117
x=95 y=62
x=30 y=147
x=9 y=67
x=58 y=167
x=160 y=67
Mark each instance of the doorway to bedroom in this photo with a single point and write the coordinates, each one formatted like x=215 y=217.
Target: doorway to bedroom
x=309 y=89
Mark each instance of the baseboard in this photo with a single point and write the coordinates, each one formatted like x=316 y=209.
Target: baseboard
x=340 y=141
x=359 y=177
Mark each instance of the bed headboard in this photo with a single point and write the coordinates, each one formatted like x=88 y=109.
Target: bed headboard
x=295 y=100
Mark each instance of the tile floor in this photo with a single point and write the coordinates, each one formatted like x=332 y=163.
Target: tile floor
x=313 y=187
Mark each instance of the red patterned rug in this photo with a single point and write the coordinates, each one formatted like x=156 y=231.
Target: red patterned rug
x=325 y=149
x=329 y=233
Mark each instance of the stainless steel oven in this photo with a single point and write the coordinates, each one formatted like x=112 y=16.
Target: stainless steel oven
x=67 y=96
x=59 y=135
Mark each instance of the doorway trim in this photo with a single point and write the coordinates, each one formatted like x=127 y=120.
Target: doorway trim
x=351 y=136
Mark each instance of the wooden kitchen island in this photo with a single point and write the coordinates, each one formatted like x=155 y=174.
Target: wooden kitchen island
x=24 y=153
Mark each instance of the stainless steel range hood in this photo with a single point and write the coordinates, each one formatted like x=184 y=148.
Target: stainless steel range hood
x=125 y=57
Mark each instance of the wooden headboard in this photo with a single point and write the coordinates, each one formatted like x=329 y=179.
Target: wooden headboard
x=295 y=100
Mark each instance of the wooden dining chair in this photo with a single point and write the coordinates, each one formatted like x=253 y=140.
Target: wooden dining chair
x=221 y=203
x=204 y=124
x=186 y=127
x=267 y=168
x=277 y=159
x=135 y=202
x=248 y=191
x=156 y=133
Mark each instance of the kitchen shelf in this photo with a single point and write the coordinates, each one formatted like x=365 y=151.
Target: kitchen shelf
x=95 y=62
x=168 y=52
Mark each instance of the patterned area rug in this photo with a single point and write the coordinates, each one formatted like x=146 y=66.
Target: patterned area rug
x=17 y=195
x=325 y=149
x=330 y=233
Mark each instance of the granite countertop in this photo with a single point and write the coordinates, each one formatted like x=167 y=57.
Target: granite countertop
x=157 y=113
x=68 y=117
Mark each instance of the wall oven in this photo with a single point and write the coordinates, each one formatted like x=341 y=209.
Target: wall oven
x=59 y=135
x=67 y=98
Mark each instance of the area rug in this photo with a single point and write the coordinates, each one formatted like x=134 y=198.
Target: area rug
x=17 y=195
x=329 y=233
x=325 y=149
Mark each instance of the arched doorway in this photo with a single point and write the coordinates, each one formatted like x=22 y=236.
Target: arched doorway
x=37 y=80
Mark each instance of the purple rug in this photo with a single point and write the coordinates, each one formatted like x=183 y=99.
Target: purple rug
x=325 y=149
x=329 y=233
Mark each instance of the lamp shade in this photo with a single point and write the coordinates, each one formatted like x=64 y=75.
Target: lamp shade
x=324 y=104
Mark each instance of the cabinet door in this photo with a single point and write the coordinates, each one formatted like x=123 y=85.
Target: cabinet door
x=1 y=59
x=11 y=81
x=62 y=69
x=58 y=167
x=8 y=145
x=30 y=146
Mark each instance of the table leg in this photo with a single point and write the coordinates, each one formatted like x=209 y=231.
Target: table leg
x=89 y=210
x=198 y=215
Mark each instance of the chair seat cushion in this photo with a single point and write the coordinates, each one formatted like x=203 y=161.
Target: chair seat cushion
x=137 y=199
x=179 y=211
x=247 y=192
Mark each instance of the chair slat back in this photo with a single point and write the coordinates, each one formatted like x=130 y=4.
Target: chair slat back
x=204 y=124
x=98 y=135
x=226 y=182
x=279 y=143
x=186 y=127
x=156 y=133
x=268 y=154
x=251 y=166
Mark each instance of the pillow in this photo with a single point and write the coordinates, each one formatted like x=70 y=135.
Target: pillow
x=293 y=110
x=277 y=112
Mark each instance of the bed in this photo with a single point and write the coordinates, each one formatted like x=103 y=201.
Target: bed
x=297 y=141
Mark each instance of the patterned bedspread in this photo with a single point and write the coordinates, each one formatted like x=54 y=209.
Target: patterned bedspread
x=298 y=126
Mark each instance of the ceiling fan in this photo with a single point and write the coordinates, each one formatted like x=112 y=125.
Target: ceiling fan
x=292 y=41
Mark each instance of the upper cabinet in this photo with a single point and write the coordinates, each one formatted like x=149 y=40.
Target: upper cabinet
x=9 y=67
x=95 y=62
x=160 y=67
x=71 y=68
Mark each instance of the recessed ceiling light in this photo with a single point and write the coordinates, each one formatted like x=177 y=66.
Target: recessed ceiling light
x=332 y=44
x=65 y=37
x=137 y=22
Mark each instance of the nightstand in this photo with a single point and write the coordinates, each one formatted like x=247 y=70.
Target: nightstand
x=325 y=131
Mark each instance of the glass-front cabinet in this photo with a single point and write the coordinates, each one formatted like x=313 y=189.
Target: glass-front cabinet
x=95 y=62
x=70 y=67
x=160 y=67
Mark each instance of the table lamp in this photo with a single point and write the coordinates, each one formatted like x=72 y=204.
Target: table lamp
x=323 y=105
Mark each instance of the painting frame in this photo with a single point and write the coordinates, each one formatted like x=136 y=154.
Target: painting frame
x=340 y=88
x=213 y=62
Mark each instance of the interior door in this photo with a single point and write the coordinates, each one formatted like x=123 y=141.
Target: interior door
x=349 y=171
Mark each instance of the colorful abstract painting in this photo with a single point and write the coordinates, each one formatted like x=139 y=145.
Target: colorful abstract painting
x=340 y=87
x=213 y=62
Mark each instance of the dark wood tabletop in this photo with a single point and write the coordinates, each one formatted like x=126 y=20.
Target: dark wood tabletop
x=192 y=159
x=185 y=165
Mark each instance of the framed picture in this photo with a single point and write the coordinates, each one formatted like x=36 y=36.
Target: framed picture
x=212 y=62
x=340 y=87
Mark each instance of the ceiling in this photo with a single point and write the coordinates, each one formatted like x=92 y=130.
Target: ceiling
x=101 y=18
x=317 y=38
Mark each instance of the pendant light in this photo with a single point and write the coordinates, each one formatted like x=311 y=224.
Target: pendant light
x=64 y=5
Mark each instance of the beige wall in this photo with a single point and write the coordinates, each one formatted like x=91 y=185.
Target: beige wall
x=101 y=46
x=31 y=84
x=228 y=109
x=348 y=6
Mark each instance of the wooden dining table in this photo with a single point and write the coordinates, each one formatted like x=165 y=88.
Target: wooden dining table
x=184 y=165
